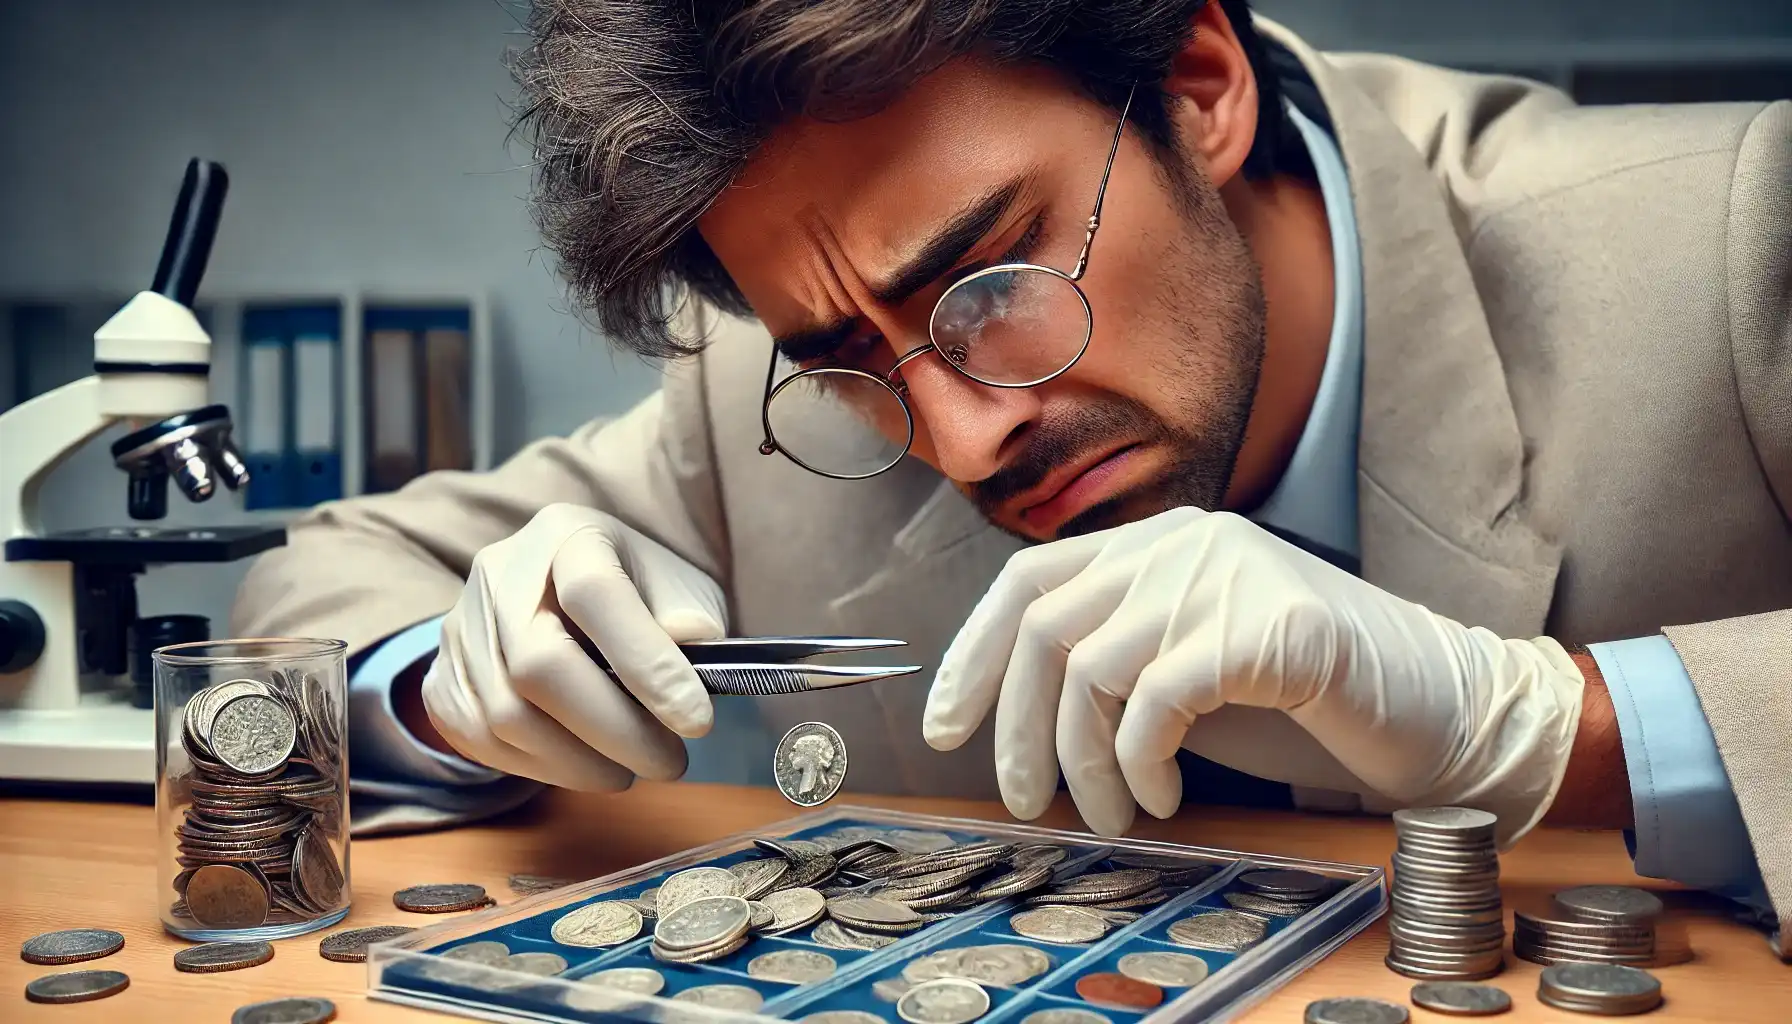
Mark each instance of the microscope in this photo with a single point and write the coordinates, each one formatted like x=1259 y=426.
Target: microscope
x=69 y=627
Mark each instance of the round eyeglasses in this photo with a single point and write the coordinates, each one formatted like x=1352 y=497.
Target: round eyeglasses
x=1013 y=325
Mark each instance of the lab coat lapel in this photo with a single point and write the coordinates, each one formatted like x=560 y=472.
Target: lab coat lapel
x=939 y=565
x=1440 y=465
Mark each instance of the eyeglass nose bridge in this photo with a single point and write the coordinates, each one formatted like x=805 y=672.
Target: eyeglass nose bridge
x=899 y=383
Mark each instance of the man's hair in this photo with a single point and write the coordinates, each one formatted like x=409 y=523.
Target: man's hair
x=641 y=112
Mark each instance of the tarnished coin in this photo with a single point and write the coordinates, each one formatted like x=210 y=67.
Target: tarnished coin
x=212 y=957
x=796 y=966
x=315 y=870
x=763 y=917
x=1618 y=904
x=641 y=981
x=253 y=734
x=486 y=952
x=1460 y=998
x=794 y=908
x=76 y=986
x=1066 y=1015
x=874 y=915
x=842 y=1017
x=1170 y=970
x=529 y=885
x=946 y=1001
x=540 y=965
x=758 y=877
x=695 y=884
x=1036 y=855
x=1063 y=925
x=1355 y=1011
x=222 y=896
x=1003 y=964
x=831 y=934
x=350 y=947
x=445 y=898
x=607 y=923
x=1104 y=886
x=1260 y=904
x=810 y=764
x=1119 y=990
x=705 y=922
x=286 y=1011
x=1610 y=989
x=1223 y=931
x=723 y=997
x=1015 y=882
x=71 y=946
x=1296 y=885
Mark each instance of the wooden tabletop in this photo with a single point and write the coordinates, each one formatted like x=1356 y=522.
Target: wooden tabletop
x=66 y=864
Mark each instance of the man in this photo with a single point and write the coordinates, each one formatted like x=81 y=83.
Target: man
x=1476 y=373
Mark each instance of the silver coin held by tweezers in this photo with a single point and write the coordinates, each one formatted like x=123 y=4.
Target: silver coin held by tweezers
x=1460 y=998
x=810 y=764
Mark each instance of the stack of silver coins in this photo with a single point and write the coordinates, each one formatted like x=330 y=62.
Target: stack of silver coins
x=264 y=804
x=706 y=928
x=1610 y=924
x=1447 y=919
x=1608 y=990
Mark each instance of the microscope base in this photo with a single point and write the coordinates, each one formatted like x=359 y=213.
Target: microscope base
x=103 y=741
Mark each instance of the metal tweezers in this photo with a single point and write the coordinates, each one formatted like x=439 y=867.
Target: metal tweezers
x=762 y=665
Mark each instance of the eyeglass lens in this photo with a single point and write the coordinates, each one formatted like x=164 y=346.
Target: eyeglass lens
x=1008 y=327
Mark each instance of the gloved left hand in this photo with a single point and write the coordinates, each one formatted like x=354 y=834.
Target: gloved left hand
x=1100 y=653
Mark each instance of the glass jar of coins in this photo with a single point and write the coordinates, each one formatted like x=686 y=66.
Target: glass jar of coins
x=251 y=787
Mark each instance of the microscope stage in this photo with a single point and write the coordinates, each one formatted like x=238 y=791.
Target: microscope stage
x=104 y=739
x=146 y=545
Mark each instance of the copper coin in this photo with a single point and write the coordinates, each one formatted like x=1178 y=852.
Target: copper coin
x=1119 y=990
x=222 y=896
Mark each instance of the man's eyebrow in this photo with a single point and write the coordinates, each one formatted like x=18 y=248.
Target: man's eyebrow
x=933 y=259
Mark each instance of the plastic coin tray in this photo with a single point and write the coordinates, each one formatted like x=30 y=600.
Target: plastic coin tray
x=412 y=970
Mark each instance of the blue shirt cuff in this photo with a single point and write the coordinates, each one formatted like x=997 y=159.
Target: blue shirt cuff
x=380 y=747
x=1689 y=828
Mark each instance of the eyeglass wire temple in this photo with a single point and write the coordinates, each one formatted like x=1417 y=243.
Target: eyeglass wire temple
x=1082 y=260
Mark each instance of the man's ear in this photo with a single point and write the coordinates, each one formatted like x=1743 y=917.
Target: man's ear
x=1213 y=95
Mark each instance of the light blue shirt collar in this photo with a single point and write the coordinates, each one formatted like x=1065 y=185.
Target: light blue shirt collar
x=1316 y=497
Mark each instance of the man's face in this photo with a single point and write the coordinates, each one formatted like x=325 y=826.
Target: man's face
x=1152 y=416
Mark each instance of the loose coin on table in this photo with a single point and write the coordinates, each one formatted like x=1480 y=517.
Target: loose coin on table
x=70 y=946
x=1119 y=990
x=810 y=764
x=350 y=946
x=594 y=925
x=444 y=898
x=1355 y=1011
x=305 y=1010
x=945 y=1001
x=1460 y=998
x=1169 y=970
x=76 y=986
x=213 y=957
x=1604 y=989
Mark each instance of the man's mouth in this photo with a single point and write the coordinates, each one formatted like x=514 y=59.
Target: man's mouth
x=1073 y=488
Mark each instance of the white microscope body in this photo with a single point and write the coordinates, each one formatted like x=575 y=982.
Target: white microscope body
x=151 y=363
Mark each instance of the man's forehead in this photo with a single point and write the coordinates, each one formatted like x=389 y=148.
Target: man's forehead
x=871 y=188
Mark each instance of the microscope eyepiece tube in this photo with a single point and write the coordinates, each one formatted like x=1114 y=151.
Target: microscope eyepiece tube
x=191 y=231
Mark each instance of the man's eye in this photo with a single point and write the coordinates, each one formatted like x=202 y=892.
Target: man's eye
x=858 y=352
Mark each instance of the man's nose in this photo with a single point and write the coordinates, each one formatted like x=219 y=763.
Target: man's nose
x=962 y=426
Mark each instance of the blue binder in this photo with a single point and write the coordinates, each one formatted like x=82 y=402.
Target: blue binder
x=314 y=458
x=261 y=416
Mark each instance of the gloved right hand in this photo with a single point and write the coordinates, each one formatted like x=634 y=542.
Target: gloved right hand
x=513 y=689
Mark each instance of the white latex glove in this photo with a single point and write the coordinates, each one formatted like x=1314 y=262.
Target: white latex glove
x=1104 y=650
x=512 y=688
